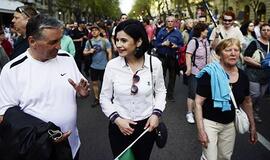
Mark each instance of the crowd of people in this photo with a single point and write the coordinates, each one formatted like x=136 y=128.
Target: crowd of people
x=45 y=65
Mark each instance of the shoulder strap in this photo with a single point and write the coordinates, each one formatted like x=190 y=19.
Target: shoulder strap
x=260 y=47
x=232 y=98
x=104 y=43
x=90 y=42
x=167 y=35
x=151 y=70
x=194 y=53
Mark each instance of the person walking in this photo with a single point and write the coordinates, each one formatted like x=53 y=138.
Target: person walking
x=5 y=43
x=197 y=57
x=44 y=82
x=20 y=18
x=226 y=30
x=123 y=17
x=214 y=110
x=168 y=41
x=259 y=78
x=132 y=96
x=247 y=30
x=100 y=49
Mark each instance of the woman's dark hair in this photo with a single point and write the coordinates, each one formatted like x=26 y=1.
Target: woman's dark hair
x=134 y=29
x=146 y=20
x=198 y=29
x=244 y=29
x=256 y=22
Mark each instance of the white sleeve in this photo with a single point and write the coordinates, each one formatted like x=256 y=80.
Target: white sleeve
x=213 y=35
x=8 y=90
x=159 y=86
x=107 y=92
x=240 y=37
x=113 y=31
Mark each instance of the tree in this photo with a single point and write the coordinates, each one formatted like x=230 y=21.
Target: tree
x=141 y=7
x=255 y=5
x=91 y=9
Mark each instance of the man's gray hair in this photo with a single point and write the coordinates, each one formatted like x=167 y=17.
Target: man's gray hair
x=38 y=23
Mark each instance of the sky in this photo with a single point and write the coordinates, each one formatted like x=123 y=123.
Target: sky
x=126 y=5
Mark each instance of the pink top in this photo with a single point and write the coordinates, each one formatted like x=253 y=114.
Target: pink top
x=150 y=32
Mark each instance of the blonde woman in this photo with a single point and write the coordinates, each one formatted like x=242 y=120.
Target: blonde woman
x=215 y=119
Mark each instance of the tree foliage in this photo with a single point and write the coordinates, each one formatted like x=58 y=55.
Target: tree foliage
x=163 y=7
x=91 y=9
x=141 y=8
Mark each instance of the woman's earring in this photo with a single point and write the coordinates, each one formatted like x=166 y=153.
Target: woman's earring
x=138 y=49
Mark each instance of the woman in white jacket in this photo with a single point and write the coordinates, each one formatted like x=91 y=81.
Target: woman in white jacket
x=127 y=92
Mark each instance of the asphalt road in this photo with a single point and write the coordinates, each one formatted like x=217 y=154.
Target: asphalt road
x=182 y=139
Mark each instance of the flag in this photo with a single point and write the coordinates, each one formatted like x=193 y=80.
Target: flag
x=127 y=155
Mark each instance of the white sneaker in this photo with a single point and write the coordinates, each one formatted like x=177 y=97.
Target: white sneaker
x=190 y=117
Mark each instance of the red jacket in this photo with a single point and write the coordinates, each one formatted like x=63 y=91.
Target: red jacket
x=7 y=46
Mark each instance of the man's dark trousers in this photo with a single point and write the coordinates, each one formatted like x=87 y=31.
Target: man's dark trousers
x=169 y=63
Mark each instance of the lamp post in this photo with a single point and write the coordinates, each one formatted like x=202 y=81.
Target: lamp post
x=59 y=15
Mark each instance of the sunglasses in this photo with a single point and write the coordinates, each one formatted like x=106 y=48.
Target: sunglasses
x=227 y=20
x=21 y=10
x=134 y=88
x=55 y=134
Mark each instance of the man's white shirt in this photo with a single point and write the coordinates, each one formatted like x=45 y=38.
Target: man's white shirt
x=232 y=32
x=42 y=90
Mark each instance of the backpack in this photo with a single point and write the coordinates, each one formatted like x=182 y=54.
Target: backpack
x=181 y=55
x=103 y=47
x=265 y=63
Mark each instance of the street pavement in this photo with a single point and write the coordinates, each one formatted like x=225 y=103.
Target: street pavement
x=182 y=141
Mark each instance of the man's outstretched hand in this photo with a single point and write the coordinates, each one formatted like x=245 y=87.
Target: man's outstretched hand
x=82 y=88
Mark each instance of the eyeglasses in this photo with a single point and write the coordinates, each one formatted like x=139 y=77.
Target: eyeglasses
x=134 y=88
x=55 y=134
x=265 y=30
x=227 y=20
x=21 y=10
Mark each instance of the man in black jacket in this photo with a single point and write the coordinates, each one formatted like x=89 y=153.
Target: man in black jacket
x=20 y=19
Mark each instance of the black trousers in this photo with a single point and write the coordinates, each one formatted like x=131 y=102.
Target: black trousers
x=141 y=149
x=77 y=155
x=169 y=63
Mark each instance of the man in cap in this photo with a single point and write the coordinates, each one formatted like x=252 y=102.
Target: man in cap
x=100 y=50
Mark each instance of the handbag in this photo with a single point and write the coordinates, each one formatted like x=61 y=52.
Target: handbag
x=241 y=121
x=265 y=63
x=258 y=55
x=161 y=135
